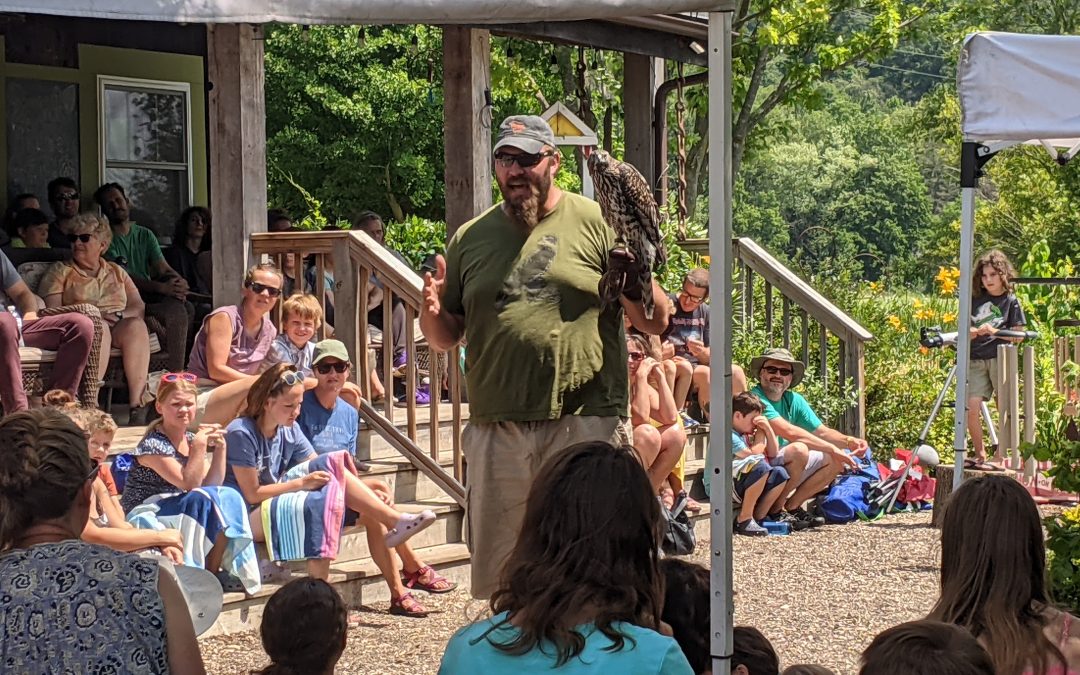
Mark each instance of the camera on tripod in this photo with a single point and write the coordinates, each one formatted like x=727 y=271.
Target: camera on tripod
x=931 y=337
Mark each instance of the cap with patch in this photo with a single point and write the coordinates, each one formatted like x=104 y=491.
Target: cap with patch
x=528 y=133
x=330 y=349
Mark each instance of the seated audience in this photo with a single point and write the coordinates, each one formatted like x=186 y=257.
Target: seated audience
x=686 y=343
x=30 y=229
x=278 y=221
x=25 y=200
x=687 y=610
x=52 y=581
x=70 y=335
x=89 y=278
x=331 y=424
x=137 y=250
x=231 y=345
x=822 y=452
x=303 y=493
x=993 y=580
x=759 y=485
x=371 y=223
x=582 y=590
x=658 y=432
x=64 y=202
x=106 y=525
x=190 y=256
x=176 y=482
x=301 y=316
x=309 y=647
x=927 y=648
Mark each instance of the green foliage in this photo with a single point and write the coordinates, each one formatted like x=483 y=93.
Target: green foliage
x=417 y=239
x=1063 y=557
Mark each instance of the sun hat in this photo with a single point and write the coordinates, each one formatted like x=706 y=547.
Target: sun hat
x=201 y=590
x=330 y=349
x=779 y=354
x=528 y=133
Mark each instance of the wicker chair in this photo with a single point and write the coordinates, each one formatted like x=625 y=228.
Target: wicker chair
x=37 y=364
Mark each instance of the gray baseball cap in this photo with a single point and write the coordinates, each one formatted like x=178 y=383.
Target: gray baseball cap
x=528 y=133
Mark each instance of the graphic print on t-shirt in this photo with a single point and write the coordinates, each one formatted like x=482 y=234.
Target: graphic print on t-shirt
x=987 y=313
x=529 y=278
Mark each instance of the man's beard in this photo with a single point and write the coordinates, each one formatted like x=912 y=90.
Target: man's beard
x=772 y=389
x=116 y=217
x=526 y=212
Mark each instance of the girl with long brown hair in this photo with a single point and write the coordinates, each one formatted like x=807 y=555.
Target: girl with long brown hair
x=581 y=590
x=993 y=580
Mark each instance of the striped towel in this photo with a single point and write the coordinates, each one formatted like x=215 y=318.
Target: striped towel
x=307 y=523
x=200 y=516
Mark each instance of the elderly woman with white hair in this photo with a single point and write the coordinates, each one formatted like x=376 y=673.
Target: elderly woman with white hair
x=89 y=278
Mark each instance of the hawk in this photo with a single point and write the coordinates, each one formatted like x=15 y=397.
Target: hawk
x=627 y=204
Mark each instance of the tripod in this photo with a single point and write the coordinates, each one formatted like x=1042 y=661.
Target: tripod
x=931 y=338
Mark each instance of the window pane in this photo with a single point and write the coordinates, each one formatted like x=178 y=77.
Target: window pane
x=157 y=196
x=42 y=134
x=145 y=126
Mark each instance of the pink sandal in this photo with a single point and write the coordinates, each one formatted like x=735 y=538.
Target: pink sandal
x=427 y=579
x=407 y=605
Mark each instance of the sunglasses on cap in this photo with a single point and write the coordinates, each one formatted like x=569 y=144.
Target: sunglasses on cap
x=773 y=370
x=84 y=238
x=258 y=289
x=325 y=368
x=291 y=378
x=525 y=160
x=176 y=377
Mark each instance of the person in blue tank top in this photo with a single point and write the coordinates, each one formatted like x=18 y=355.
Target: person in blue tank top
x=581 y=591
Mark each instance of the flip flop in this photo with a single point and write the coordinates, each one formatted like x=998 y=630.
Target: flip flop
x=976 y=465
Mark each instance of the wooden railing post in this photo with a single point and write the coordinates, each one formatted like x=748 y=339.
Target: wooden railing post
x=854 y=368
x=823 y=355
x=786 y=318
x=768 y=313
x=804 y=335
x=748 y=280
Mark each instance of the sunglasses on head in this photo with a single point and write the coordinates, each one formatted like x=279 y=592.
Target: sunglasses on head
x=258 y=289
x=68 y=197
x=176 y=377
x=325 y=368
x=84 y=238
x=525 y=160
x=773 y=370
x=291 y=378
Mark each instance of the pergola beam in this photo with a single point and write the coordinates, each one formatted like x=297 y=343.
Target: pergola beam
x=610 y=36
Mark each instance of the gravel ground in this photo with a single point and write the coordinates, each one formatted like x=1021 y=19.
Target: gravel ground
x=845 y=584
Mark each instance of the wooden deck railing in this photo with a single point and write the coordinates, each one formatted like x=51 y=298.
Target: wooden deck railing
x=798 y=297
x=352 y=257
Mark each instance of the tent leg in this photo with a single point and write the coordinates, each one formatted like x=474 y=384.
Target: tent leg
x=963 y=342
x=721 y=252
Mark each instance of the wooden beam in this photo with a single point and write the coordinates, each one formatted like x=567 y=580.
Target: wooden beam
x=237 y=151
x=641 y=76
x=610 y=36
x=467 y=123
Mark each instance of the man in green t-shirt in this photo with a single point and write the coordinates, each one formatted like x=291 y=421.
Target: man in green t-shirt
x=163 y=290
x=809 y=450
x=546 y=361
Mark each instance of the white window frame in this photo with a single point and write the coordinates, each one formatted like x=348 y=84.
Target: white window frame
x=112 y=81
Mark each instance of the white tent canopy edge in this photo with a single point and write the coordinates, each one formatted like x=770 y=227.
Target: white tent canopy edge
x=1013 y=89
x=360 y=11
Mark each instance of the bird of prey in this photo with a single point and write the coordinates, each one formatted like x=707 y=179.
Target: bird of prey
x=627 y=204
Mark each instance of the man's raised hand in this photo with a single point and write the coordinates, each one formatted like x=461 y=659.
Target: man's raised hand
x=433 y=287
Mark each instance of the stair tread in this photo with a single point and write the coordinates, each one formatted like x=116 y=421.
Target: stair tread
x=361 y=568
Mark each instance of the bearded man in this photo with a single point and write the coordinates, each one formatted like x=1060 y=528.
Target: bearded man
x=546 y=360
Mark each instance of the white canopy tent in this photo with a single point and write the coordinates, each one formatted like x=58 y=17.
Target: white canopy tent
x=478 y=12
x=1014 y=89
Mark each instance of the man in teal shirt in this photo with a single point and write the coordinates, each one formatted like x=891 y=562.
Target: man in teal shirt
x=136 y=249
x=817 y=458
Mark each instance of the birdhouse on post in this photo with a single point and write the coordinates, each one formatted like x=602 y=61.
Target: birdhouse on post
x=570 y=130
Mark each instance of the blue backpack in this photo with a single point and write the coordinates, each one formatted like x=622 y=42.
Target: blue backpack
x=847 y=496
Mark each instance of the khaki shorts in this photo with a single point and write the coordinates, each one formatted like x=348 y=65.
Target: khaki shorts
x=502 y=459
x=981 y=376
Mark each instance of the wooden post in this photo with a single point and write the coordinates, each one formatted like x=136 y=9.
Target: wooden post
x=855 y=369
x=804 y=335
x=641 y=76
x=748 y=276
x=237 y=151
x=467 y=123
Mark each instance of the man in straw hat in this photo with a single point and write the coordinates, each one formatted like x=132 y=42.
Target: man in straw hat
x=810 y=451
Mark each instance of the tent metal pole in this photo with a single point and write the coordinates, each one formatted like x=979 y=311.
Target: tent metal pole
x=963 y=342
x=720 y=318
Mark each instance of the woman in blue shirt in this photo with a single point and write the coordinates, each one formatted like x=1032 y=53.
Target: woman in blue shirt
x=298 y=498
x=581 y=591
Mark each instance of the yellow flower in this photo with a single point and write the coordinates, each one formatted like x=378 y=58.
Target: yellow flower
x=895 y=322
x=917 y=304
x=948 y=287
x=948 y=317
x=706 y=259
x=925 y=314
x=924 y=351
x=942 y=275
x=876 y=286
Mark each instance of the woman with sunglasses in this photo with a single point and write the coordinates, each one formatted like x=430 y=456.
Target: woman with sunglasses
x=72 y=606
x=175 y=482
x=89 y=278
x=298 y=497
x=232 y=345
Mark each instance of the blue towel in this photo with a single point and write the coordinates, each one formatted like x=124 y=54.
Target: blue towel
x=200 y=516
